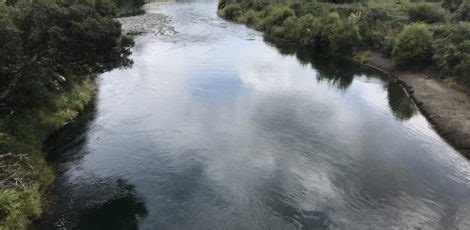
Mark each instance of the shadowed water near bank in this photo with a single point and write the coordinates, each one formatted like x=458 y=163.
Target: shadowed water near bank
x=215 y=127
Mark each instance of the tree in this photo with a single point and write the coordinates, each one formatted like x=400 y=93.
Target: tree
x=44 y=43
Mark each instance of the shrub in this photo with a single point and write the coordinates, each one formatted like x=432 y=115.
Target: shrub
x=343 y=35
x=277 y=16
x=413 y=45
x=289 y=26
x=232 y=11
x=452 y=50
x=10 y=50
x=463 y=12
x=375 y=27
x=451 y=4
x=426 y=12
x=252 y=17
x=307 y=30
x=314 y=8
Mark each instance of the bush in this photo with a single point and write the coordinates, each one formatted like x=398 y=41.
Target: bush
x=277 y=16
x=345 y=36
x=426 y=12
x=330 y=31
x=375 y=27
x=463 y=12
x=10 y=52
x=252 y=17
x=451 y=5
x=314 y=8
x=289 y=26
x=232 y=12
x=413 y=45
x=307 y=30
x=452 y=50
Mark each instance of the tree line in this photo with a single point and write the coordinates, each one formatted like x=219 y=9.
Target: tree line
x=429 y=33
x=47 y=44
x=49 y=52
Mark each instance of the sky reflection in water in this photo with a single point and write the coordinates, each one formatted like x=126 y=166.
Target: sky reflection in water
x=215 y=128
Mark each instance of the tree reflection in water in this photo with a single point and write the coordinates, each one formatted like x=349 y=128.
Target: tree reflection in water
x=122 y=211
x=89 y=201
x=341 y=78
x=400 y=104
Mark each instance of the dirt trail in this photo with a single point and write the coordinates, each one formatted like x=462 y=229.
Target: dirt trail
x=446 y=108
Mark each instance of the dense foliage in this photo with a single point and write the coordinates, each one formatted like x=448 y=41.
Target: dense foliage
x=426 y=12
x=463 y=12
x=49 y=52
x=413 y=45
x=44 y=44
x=452 y=51
x=429 y=33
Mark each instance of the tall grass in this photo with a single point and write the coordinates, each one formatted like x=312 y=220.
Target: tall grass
x=24 y=173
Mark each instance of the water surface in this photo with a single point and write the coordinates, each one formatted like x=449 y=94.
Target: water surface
x=216 y=127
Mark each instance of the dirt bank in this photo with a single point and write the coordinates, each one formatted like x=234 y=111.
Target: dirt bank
x=447 y=109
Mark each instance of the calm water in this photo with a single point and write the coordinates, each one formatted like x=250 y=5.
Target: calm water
x=215 y=127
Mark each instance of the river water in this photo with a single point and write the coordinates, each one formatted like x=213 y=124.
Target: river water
x=216 y=127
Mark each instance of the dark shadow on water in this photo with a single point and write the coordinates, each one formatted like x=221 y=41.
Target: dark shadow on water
x=89 y=201
x=325 y=65
x=104 y=204
x=66 y=146
x=339 y=72
x=401 y=105
x=122 y=211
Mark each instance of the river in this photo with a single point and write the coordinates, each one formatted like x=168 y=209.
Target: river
x=217 y=127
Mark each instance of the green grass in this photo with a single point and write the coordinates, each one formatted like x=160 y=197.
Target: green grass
x=24 y=173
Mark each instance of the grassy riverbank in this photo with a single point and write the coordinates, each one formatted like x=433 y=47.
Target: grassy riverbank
x=25 y=174
x=49 y=52
x=417 y=35
x=417 y=43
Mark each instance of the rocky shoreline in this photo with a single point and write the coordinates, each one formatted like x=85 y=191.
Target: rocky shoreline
x=447 y=109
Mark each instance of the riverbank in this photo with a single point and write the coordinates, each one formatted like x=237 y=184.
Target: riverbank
x=388 y=28
x=25 y=174
x=218 y=126
x=46 y=86
x=447 y=109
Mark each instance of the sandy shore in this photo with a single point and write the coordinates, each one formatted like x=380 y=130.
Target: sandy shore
x=447 y=109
